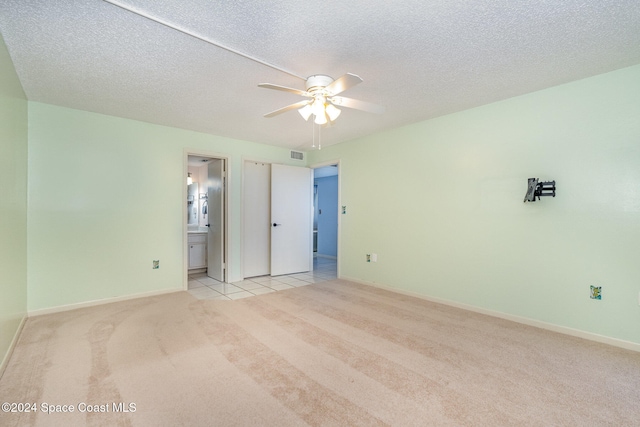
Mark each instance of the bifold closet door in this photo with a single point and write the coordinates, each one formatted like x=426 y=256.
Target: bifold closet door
x=256 y=205
x=291 y=219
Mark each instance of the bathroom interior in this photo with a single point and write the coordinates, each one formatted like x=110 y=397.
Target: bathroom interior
x=197 y=212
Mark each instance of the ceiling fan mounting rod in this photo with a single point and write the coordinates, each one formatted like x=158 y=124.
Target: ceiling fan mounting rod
x=199 y=37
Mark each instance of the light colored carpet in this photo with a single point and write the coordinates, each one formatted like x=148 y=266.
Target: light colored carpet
x=334 y=353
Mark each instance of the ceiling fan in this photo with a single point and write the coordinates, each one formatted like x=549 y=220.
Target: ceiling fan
x=322 y=92
x=321 y=89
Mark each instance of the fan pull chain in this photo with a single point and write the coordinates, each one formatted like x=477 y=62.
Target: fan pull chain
x=313 y=131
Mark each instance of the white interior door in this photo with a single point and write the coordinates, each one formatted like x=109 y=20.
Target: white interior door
x=256 y=245
x=291 y=219
x=215 y=235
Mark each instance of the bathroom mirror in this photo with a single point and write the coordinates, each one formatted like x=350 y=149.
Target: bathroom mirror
x=192 y=203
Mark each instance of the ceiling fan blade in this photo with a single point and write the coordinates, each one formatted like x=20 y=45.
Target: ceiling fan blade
x=343 y=83
x=284 y=88
x=341 y=101
x=287 y=108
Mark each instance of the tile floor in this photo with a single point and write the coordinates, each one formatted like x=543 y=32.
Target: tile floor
x=203 y=287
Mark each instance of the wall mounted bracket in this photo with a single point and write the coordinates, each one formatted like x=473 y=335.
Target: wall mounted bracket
x=539 y=189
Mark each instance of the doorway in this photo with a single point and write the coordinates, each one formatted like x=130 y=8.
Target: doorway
x=326 y=212
x=206 y=216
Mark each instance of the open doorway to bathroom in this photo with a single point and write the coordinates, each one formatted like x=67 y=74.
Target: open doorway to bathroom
x=206 y=217
x=325 y=217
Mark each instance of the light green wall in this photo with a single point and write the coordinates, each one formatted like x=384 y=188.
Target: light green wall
x=441 y=203
x=106 y=199
x=13 y=202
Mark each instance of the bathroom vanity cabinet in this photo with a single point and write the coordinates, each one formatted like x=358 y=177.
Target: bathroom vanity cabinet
x=197 y=250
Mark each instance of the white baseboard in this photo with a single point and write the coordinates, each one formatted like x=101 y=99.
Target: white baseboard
x=14 y=341
x=75 y=306
x=628 y=345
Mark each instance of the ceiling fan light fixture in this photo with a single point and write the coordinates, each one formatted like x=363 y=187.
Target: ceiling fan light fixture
x=321 y=119
x=305 y=112
x=318 y=106
x=332 y=112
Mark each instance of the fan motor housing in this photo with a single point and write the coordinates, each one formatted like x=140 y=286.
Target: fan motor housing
x=318 y=81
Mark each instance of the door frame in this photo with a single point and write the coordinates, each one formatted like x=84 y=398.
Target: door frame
x=185 y=243
x=339 y=237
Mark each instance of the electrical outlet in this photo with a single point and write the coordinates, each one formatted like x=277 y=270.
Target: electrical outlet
x=374 y=257
x=344 y=210
x=156 y=264
x=368 y=257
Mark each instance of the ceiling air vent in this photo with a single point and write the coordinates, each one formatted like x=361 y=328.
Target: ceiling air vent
x=297 y=155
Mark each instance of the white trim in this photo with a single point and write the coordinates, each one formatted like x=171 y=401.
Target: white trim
x=628 y=345
x=325 y=164
x=68 y=307
x=203 y=38
x=227 y=217
x=12 y=346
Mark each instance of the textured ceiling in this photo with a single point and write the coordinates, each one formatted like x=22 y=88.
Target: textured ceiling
x=420 y=59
